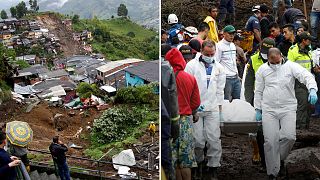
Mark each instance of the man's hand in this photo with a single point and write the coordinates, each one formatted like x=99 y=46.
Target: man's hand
x=316 y=69
x=14 y=158
x=14 y=163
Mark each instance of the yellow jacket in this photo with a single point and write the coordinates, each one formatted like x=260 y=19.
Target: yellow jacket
x=213 y=33
x=303 y=59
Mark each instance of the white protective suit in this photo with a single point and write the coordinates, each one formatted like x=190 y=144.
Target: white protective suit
x=207 y=129
x=275 y=96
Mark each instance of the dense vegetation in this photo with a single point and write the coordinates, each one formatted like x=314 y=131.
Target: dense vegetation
x=124 y=123
x=121 y=38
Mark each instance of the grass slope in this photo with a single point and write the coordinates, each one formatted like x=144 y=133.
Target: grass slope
x=115 y=43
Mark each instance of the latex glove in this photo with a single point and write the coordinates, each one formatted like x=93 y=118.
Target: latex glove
x=175 y=128
x=221 y=117
x=200 y=108
x=258 y=115
x=313 y=98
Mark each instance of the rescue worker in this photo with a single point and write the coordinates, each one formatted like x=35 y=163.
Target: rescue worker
x=276 y=106
x=253 y=65
x=188 y=101
x=175 y=35
x=253 y=25
x=211 y=21
x=211 y=78
x=226 y=55
x=301 y=54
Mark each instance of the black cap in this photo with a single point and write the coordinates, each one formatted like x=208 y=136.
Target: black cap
x=306 y=35
x=186 y=51
x=266 y=44
x=195 y=44
x=164 y=49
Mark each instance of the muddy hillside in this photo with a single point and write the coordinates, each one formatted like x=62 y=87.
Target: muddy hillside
x=192 y=12
x=54 y=24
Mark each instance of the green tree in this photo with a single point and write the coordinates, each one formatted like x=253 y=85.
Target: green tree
x=21 y=9
x=122 y=10
x=75 y=19
x=13 y=11
x=4 y=14
x=85 y=90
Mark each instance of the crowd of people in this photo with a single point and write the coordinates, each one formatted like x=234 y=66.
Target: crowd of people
x=274 y=60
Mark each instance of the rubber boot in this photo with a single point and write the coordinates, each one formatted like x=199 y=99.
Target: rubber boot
x=282 y=172
x=213 y=171
x=197 y=172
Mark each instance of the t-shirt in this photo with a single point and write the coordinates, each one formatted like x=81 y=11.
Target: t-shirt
x=253 y=23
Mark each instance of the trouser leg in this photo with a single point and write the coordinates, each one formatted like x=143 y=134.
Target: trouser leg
x=271 y=131
x=287 y=133
x=236 y=88
x=260 y=141
x=303 y=109
x=314 y=22
x=199 y=138
x=212 y=135
x=222 y=12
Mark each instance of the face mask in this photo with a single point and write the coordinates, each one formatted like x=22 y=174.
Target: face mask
x=264 y=56
x=275 y=66
x=207 y=59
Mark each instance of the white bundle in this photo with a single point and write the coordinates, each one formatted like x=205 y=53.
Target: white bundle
x=238 y=111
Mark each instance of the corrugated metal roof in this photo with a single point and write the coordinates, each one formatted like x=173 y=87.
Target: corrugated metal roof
x=148 y=70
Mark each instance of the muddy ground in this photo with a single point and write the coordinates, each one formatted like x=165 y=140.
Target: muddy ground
x=40 y=120
x=236 y=162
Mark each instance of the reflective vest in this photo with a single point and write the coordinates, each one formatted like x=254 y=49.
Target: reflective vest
x=303 y=59
x=256 y=62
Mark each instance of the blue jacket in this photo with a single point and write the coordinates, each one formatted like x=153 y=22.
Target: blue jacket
x=6 y=172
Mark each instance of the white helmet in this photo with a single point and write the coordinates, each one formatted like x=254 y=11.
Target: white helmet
x=172 y=19
x=255 y=8
x=191 y=31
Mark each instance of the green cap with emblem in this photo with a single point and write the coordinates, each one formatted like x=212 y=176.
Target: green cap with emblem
x=229 y=29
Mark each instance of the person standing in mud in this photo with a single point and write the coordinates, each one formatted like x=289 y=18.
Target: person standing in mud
x=276 y=106
x=188 y=100
x=211 y=79
x=58 y=150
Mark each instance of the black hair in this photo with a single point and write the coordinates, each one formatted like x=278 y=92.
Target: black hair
x=203 y=26
x=195 y=44
x=211 y=8
x=165 y=48
x=274 y=25
x=2 y=136
x=289 y=26
x=55 y=139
